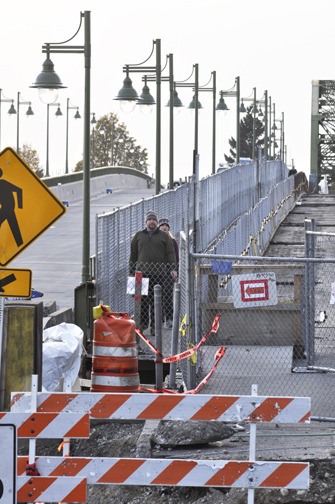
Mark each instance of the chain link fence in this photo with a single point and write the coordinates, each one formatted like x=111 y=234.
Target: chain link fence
x=229 y=212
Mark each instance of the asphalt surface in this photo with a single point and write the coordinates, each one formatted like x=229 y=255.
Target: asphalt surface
x=55 y=258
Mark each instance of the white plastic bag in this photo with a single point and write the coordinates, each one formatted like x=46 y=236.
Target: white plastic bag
x=62 y=349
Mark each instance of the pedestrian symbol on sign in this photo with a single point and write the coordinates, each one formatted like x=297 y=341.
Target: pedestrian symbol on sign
x=7 y=207
x=27 y=206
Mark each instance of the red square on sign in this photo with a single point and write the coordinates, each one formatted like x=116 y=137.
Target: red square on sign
x=254 y=290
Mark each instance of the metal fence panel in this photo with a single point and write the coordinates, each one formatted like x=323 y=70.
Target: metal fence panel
x=261 y=302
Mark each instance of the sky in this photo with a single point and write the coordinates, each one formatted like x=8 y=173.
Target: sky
x=278 y=46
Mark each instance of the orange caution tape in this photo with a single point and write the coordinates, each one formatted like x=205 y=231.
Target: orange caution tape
x=218 y=356
x=186 y=353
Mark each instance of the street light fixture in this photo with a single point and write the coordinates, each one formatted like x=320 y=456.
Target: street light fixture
x=29 y=112
x=128 y=94
x=57 y=114
x=234 y=91
x=49 y=83
x=76 y=116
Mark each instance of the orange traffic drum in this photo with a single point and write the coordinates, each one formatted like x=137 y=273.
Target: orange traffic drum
x=114 y=354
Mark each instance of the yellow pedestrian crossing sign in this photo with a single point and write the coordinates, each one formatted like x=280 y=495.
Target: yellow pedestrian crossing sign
x=15 y=283
x=27 y=206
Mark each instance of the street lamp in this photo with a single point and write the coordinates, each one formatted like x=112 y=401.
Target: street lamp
x=196 y=105
x=234 y=91
x=57 y=114
x=127 y=94
x=213 y=90
x=11 y=109
x=171 y=104
x=48 y=82
x=29 y=112
x=76 y=116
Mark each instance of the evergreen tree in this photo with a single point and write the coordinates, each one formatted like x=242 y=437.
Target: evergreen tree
x=246 y=137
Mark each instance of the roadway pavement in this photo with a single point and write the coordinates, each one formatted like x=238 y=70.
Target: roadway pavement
x=55 y=258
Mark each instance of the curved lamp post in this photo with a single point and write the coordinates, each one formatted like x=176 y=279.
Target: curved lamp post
x=213 y=90
x=170 y=104
x=57 y=114
x=76 y=116
x=127 y=95
x=234 y=91
x=29 y=112
x=48 y=83
x=196 y=105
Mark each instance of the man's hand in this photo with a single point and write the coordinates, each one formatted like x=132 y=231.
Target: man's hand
x=174 y=275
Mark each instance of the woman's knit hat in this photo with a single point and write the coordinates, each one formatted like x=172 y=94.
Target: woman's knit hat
x=164 y=221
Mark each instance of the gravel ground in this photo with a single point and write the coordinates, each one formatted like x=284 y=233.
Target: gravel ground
x=118 y=439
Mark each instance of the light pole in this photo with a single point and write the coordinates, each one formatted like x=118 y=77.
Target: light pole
x=234 y=91
x=57 y=114
x=213 y=90
x=171 y=104
x=76 y=116
x=48 y=83
x=128 y=94
x=29 y=112
x=196 y=105
x=11 y=110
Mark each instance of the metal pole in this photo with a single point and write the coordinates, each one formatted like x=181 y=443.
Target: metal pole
x=67 y=138
x=18 y=123
x=158 y=115
x=158 y=333
x=238 y=141
x=171 y=146
x=253 y=154
x=175 y=330
x=274 y=131
x=266 y=139
x=86 y=156
x=196 y=94
x=214 y=125
x=47 y=153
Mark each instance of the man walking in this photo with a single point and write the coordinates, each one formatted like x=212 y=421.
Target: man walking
x=153 y=254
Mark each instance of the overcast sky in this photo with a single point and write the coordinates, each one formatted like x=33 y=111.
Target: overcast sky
x=278 y=46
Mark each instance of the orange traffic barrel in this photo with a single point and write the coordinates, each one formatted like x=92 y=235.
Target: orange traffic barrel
x=114 y=354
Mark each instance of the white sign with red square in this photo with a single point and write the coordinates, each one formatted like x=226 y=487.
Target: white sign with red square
x=257 y=289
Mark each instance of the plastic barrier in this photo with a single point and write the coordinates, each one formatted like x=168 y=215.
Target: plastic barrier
x=114 y=354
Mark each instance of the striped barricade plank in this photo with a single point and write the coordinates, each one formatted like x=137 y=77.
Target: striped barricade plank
x=51 y=489
x=171 y=406
x=48 y=425
x=199 y=473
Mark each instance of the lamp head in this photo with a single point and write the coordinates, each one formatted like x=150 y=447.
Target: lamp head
x=146 y=100
x=127 y=95
x=93 y=120
x=176 y=102
x=242 y=108
x=77 y=115
x=29 y=110
x=12 y=109
x=48 y=83
x=222 y=104
x=58 y=111
x=194 y=103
